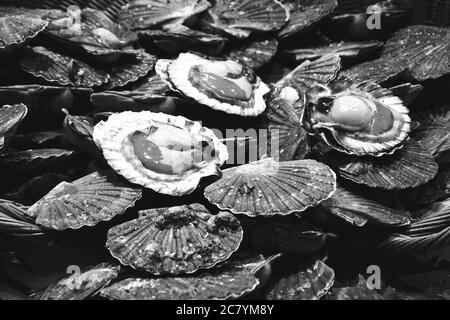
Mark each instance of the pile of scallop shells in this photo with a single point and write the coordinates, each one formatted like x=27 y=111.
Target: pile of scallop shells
x=223 y=149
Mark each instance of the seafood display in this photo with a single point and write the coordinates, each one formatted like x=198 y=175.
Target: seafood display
x=223 y=149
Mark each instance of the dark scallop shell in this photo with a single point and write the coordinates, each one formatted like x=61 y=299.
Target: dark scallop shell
x=177 y=240
x=80 y=286
x=305 y=14
x=10 y=119
x=97 y=197
x=145 y=14
x=409 y=167
x=254 y=54
x=433 y=12
x=240 y=18
x=14 y=221
x=267 y=187
x=424 y=50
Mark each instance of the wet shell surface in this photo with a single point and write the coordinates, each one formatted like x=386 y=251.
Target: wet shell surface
x=17 y=27
x=305 y=14
x=223 y=85
x=231 y=281
x=268 y=188
x=422 y=49
x=255 y=54
x=60 y=69
x=177 y=240
x=293 y=280
x=436 y=190
x=145 y=14
x=10 y=119
x=97 y=197
x=359 y=210
x=240 y=18
x=361 y=119
x=80 y=286
x=160 y=152
x=409 y=167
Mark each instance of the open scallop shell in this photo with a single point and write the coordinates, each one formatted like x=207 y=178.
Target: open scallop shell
x=254 y=54
x=422 y=49
x=293 y=279
x=145 y=14
x=60 y=69
x=175 y=240
x=409 y=167
x=240 y=18
x=268 y=188
x=10 y=118
x=17 y=27
x=232 y=280
x=97 y=197
x=80 y=286
x=113 y=136
x=364 y=142
x=305 y=14
x=184 y=75
x=359 y=210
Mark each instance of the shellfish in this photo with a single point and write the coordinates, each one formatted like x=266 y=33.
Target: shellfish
x=97 y=197
x=164 y=153
x=220 y=84
x=268 y=188
x=362 y=119
x=175 y=240
x=10 y=118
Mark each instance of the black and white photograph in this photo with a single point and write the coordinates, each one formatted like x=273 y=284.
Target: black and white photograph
x=242 y=151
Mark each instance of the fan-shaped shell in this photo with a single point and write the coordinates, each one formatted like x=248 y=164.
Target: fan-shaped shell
x=80 y=286
x=14 y=221
x=268 y=187
x=175 y=240
x=422 y=49
x=294 y=280
x=254 y=54
x=10 y=118
x=60 y=69
x=97 y=197
x=231 y=281
x=145 y=14
x=223 y=85
x=241 y=18
x=305 y=14
x=358 y=210
x=378 y=123
x=17 y=27
x=409 y=167
x=114 y=135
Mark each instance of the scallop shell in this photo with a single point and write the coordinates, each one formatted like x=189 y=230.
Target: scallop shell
x=130 y=70
x=436 y=190
x=176 y=39
x=305 y=14
x=268 y=188
x=113 y=137
x=80 y=286
x=38 y=140
x=178 y=75
x=14 y=221
x=422 y=49
x=407 y=92
x=231 y=281
x=359 y=210
x=361 y=143
x=17 y=27
x=97 y=197
x=289 y=234
x=145 y=14
x=347 y=50
x=433 y=132
x=175 y=240
x=409 y=167
x=240 y=18
x=293 y=280
x=60 y=69
x=254 y=54
x=10 y=119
